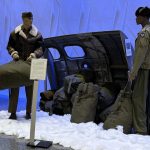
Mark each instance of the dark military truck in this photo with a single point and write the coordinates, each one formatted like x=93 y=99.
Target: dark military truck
x=106 y=54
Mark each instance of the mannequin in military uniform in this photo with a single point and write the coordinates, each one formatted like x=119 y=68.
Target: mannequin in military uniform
x=141 y=71
x=23 y=45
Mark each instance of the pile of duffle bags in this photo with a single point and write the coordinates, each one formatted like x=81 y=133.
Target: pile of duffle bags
x=90 y=102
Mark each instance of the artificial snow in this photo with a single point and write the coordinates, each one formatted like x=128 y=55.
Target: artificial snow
x=83 y=136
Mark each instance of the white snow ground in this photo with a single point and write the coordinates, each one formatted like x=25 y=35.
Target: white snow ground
x=84 y=136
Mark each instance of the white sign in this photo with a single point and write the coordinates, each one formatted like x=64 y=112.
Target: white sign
x=38 y=69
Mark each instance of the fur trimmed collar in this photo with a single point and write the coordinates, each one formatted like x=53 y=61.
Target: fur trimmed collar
x=33 y=31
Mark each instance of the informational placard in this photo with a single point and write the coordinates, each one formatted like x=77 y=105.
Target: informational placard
x=37 y=72
x=38 y=69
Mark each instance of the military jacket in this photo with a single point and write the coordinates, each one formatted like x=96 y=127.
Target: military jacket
x=25 y=42
x=142 y=51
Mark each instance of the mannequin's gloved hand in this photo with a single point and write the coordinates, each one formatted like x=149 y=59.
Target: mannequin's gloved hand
x=131 y=76
x=15 y=56
x=32 y=55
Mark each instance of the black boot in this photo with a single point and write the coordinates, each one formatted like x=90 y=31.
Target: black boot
x=28 y=116
x=13 y=116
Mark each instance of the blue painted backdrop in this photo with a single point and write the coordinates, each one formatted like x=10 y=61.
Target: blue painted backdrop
x=59 y=17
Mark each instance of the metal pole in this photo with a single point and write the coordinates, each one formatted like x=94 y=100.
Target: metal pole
x=33 y=116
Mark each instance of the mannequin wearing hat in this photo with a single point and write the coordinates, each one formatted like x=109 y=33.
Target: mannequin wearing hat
x=23 y=45
x=140 y=72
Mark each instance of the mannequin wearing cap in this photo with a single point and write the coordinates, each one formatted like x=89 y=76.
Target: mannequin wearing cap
x=141 y=70
x=23 y=45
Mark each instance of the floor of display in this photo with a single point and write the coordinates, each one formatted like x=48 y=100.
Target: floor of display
x=12 y=143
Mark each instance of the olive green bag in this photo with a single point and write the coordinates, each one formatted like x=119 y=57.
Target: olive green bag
x=121 y=111
x=84 y=103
